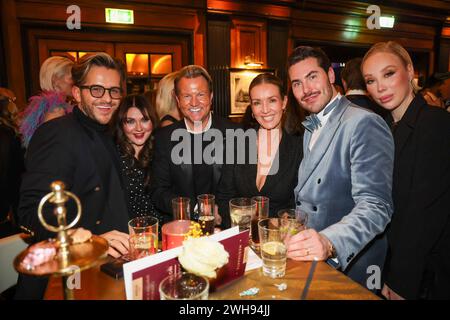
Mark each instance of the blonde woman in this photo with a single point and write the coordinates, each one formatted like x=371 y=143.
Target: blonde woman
x=56 y=84
x=418 y=262
x=166 y=105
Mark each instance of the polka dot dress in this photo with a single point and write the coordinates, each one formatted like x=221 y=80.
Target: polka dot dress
x=138 y=197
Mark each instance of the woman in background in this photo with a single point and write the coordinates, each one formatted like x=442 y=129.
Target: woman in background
x=274 y=175
x=134 y=122
x=56 y=84
x=166 y=105
x=418 y=261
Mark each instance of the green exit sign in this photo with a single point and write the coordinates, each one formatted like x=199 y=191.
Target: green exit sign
x=119 y=16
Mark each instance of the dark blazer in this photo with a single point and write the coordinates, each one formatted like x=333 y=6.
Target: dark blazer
x=11 y=169
x=239 y=180
x=418 y=264
x=367 y=103
x=66 y=149
x=170 y=180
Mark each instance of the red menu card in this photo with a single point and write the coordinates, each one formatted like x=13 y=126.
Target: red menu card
x=142 y=277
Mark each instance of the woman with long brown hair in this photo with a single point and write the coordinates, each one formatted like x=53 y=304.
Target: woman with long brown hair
x=134 y=123
x=274 y=173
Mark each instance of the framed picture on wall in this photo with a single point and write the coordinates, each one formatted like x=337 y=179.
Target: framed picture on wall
x=240 y=80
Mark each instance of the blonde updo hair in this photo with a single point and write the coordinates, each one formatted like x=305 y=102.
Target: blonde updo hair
x=395 y=49
x=165 y=100
x=52 y=69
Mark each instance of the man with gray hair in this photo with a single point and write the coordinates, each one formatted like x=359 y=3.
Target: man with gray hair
x=193 y=174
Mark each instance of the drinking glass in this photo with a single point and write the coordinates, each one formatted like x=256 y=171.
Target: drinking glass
x=181 y=208
x=185 y=286
x=143 y=239
x=261 y=212
x=143 y=224
x=241 y=212
x=206 y=213
x=174 y=233
x=293 y=219
x=142 y=245
x=273 y=248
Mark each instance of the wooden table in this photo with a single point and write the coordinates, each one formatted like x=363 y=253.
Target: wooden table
x=327 y=284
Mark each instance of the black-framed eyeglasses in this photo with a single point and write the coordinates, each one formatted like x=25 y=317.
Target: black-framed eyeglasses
x=98 y=91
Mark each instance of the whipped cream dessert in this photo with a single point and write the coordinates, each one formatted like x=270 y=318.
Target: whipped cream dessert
x=203 y=256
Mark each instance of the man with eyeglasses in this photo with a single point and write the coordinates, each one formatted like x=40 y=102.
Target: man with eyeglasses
x=195 y=175
x=78 y=150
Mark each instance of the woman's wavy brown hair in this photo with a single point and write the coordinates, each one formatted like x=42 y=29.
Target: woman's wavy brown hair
x=148 y=111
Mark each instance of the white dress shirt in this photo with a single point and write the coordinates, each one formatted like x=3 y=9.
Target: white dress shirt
x=323 y=121
x=198 y=124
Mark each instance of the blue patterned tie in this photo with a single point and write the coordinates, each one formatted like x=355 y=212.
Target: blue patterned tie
x=312 y=122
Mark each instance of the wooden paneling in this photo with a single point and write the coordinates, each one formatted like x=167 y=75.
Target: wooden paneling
x=248 y=39
x=13 y=51
x=25 y=21
x=444 y=56
x=218 y=63
x=277 y=48
x=41 y=41
x=274 y=9
x=3 y=78
x=338 y=28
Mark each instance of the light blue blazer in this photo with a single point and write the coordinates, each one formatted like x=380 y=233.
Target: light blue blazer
x=345 y=187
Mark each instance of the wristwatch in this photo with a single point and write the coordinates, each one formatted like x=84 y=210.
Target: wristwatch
x=333 y=254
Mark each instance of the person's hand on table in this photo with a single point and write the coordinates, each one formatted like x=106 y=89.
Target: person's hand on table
x=308 y=245
x=390 y=294
x=118 y=243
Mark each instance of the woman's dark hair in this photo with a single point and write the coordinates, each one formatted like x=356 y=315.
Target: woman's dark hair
x=294 y=116
x=142 y=104
x=247 y=121
x=265 y=78
x=269 y=79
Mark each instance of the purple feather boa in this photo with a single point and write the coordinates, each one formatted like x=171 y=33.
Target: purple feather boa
x=34 y=114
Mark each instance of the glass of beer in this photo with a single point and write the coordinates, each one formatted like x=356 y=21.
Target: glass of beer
x=241 y=212
x=273 y=249
x=206 y=205
x=261 y=212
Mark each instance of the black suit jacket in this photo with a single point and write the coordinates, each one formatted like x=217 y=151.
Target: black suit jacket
x=239 y=180
x=170 y=180
x=418 y=264
x=365 y=102
x=66 y=149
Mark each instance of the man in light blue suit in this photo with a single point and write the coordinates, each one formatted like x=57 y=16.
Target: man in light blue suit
x=345 y=177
